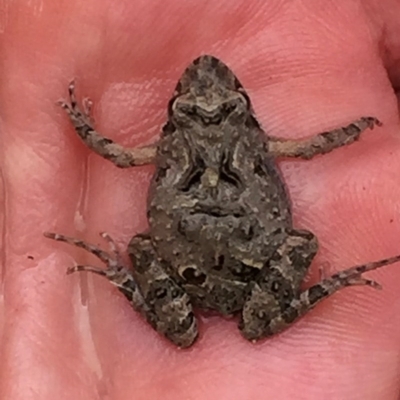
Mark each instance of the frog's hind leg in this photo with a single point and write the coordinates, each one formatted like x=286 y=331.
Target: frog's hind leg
x=172 y=312
x=115 y=272
x=278 y=284
x=151 y=292
x=284 y=315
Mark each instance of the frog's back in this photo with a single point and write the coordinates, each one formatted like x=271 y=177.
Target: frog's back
x=217 y=205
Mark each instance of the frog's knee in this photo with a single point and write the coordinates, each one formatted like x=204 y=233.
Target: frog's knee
x=182 y=332
x=171 y=312
x=255 y=321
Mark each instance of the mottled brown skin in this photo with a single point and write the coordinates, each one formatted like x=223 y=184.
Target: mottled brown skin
x=221 y=235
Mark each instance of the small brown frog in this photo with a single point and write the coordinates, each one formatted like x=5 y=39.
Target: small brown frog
x=221 y=235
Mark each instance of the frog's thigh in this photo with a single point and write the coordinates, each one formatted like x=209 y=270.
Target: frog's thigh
x=265 y=312
x=170 y=310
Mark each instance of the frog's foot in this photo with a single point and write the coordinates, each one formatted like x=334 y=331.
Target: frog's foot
x=80 y=117
x=115 y=272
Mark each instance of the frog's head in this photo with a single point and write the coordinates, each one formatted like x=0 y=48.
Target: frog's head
x=207 y=98
x=212 y=114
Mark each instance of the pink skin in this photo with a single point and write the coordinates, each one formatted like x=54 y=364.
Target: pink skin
x=308 y=66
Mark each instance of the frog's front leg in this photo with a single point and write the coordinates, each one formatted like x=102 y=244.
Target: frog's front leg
x=322 y=143
x=163 y=303
x=83 y=123
x=275 y=302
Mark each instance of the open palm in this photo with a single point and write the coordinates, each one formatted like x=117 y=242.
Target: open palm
x=308 y=66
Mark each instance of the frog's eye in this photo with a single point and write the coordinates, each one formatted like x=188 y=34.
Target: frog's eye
x=189 y=110
x=228 y=108
x=176 y=105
